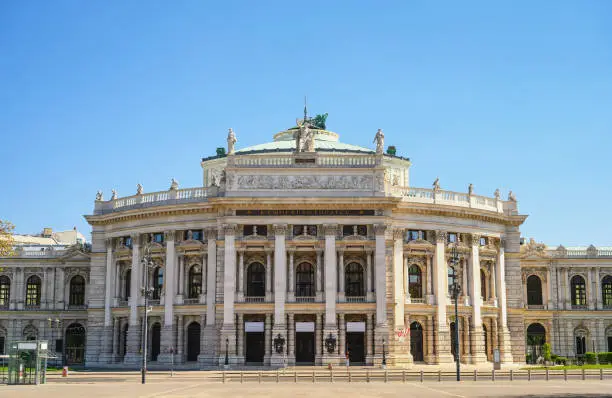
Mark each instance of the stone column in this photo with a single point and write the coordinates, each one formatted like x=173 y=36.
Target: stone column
x=550 y=304
x=598 y=298
x=116 y=333
x=268 y=275
x=369 y=293
x=398 y=278
x=494 y=333
x=229 y=292
x=442 y=333
x=590 y=290
x=203 y=357
x=504 y=333
x=381 y=275
x=430 y=280
x=319 y=276
x=342 y=336
x=568 y=289
x=241 y=338
x=211 y=276
x=268 y=338
x=60 y=290
x=133 y=355
x=478 y=354
x=341 y=279
x=291 y=284
x=280 y=291
x=180 y=334
x=330 y=328
x=240 y=281
x=291 y=340
x=368 y=339
x=170 y=283
x=43 y=291
x=493 y=284
x=465 y=272
x=204 y=275
x=429 y=340
x=318 y=339
x=406 y=279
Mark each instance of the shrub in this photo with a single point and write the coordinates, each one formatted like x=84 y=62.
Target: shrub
x=605 y=357
x=590 y=358
x=560 y=360
x=528 y=358
x=546 y=352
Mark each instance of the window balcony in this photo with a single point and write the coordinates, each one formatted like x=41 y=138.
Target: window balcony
x=579 y=306
x=305 y=299
x=254 y=299
x=415 y=300
x=75 y=307
x=191 y=301
x=154 y=302
x=355 y=299
x=535 y=306
x=4 y=307
x=31 y=307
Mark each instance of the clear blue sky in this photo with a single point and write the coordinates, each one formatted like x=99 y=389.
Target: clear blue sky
x=511 y=95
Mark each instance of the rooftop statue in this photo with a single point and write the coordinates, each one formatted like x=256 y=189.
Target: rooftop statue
x=318 y=122
x=114 y=192
x=174 y=185
x=304 y=137
x=436 y=184
x=379 y=139
x=231 y=141
x=139 y=189
x=99 y=196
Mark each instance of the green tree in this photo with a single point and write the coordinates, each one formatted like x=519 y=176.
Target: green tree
x=6 y=238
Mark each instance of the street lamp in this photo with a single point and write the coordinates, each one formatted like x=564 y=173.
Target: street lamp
x=147 y=262
x=384 y=361
x=455 y=290
x=226 y=350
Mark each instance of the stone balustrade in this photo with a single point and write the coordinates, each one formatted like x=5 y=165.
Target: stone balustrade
x=449 y=198
x=311 y=160
x=161 y=198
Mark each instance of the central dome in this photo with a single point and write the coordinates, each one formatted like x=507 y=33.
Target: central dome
x=324 y=141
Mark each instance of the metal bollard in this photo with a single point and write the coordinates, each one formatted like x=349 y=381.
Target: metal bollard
x=439 y=375
x=295 y=377
x=565 y=374
x=511 y=375
x=385 y=375
x=260 y=377
x=421 y=376
x=331 y=375
x=277 y=375
x=367 y=376
x=241 y=376
x=583 y=374
x=223 y=376
x=349 y=376
x=475 y=375
x=547 y=376
x=600 y=373
x=313 y=376
x=404 y=376
x=493 y=375
x=529 y=374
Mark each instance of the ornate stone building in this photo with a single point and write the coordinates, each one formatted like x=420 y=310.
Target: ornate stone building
x=305 y=250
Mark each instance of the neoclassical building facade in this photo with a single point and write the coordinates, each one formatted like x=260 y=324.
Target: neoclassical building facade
x=307 y=250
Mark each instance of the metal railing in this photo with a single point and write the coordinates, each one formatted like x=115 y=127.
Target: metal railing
x=304 y=299
x=191 y=301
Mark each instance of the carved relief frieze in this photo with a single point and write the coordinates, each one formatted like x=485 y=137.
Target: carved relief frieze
x=350 y=182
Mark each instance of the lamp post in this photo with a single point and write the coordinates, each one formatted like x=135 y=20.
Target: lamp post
x=147 y=262
x=455 y=290
x=384 y=361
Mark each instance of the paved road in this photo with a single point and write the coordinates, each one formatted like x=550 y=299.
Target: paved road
x=117 y=387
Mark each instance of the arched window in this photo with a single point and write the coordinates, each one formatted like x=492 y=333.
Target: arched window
x=5 y=291
x=128 y=283
x=195 y=281
x=581 y=348
x=536 y=337
x=33 y=291
x=304 y=280
x=578 y=291
x=158 y=282
x=534 y=290
x=354 y=280
x=256 y=280
x=483 y=284
x=415 y=283
x=77 y=291
x=606 y=291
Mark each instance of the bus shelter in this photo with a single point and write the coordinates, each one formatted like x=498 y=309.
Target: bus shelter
x=27 y=362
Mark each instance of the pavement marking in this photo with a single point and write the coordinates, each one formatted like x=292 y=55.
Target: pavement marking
x=436 y=390
x=171 y=391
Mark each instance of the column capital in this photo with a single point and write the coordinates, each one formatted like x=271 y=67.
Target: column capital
x=268 y=250
x=109 y=243
x=330 y=229
x=379 y=229
x=291 y=250
x=169 y=235
x=318 y=250
x=211 y=233
x=135 y=238
x=398 y=233
x=441 y=236
x=241 y=250
x=229 y=229
x=280 y=229
x=340 y=250
x=475 y=239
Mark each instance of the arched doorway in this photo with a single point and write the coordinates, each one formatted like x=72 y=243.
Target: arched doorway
x=193 y=341
x=75 y=344
x=155 y=341
x=416 y=341
x=536 y=337
x=534 y=290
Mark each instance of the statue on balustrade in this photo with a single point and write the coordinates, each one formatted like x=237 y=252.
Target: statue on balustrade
x=99 y=196
x=436 y=184
x=114 y=196
x=379 y=139
x=139 y=189
x=511 y=197
x=174 y=185
x=231 y=141
x=471 y=189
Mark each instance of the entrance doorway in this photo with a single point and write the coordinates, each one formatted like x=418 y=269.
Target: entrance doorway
x=193 y=341
x=416 y=341
x=255 y=347
x=75 y=344
x=355 y=345
x=304 y=348
x=155 y=341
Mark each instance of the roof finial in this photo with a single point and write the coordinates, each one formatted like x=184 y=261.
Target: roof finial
x=305 y=109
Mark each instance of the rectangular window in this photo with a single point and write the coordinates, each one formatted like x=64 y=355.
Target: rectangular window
x=305 y=230
x=2 y=351
x=414 y=234
x=158 y=237
x=4 y=294
x=193 y=235
x=348 y=230
x=483 y=241
x=127 y=241
x=59 y=345
x=452 y=237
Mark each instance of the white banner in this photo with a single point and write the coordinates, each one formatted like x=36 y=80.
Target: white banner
x=253 y=327
x=355 y=326
x=304 y=327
